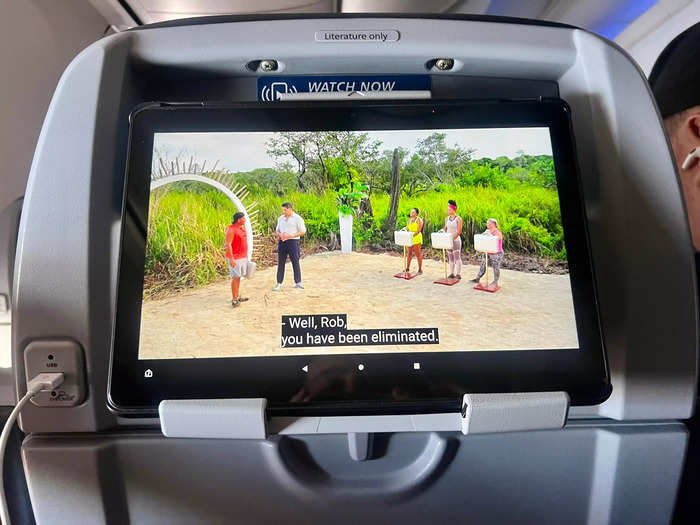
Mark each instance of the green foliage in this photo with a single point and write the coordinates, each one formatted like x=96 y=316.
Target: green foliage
x=325 y=159
x=504 y=173
x=543 y=172
x=338 y=173
x=330 y=160
x=486 y=176
x=439 y=162
x=366 y=230
x=349 y=198
x=262 y=180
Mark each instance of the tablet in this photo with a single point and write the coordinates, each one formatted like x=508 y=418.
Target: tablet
x=354 y=257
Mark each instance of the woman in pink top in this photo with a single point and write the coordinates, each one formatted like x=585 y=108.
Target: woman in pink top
x=495 y=259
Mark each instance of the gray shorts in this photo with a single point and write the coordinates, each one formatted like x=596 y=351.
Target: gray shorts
x=238 y=269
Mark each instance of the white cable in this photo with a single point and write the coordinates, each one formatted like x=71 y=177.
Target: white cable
x=40 y=383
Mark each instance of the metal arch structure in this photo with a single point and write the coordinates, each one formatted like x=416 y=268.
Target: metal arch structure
x=222 y=181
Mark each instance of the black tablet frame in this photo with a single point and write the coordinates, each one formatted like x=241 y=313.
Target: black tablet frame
x=388 y=384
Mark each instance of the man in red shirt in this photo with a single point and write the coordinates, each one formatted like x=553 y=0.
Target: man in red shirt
x=237 y=256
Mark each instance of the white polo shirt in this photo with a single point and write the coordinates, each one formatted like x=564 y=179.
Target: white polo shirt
x=292 y=225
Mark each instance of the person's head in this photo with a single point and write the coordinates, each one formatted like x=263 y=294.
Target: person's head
x=451 y=207
x=675 y=81
x=287 y=209
x=238 y=218
x=414 y=213
x=491 y=224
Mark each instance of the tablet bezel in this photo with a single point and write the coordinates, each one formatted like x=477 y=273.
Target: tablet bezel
x=443 y=376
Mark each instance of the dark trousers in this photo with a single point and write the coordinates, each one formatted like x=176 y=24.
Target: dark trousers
x=290 y=248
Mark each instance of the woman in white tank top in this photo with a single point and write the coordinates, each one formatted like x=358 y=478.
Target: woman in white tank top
x=453 y=225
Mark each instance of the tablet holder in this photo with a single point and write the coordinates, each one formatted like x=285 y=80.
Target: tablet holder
x=247 y=419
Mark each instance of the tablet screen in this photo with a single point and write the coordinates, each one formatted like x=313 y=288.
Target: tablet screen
x=337 y=241
x=378 y=253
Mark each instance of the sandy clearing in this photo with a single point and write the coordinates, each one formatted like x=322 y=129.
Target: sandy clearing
x=531 y=310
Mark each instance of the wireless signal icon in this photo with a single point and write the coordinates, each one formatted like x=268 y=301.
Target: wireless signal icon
x=274 y=90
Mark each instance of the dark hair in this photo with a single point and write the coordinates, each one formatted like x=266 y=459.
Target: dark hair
x=287 y=205
x=453 y=203
x=675 y=75
x=237 y=216
x=417 y=211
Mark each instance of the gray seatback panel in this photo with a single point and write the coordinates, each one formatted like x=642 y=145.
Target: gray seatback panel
x=579 y=475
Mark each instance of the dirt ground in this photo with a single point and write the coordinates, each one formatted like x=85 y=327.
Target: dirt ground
x=530 y=310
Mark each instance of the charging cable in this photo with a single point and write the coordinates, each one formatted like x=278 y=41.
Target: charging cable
x=41 y=383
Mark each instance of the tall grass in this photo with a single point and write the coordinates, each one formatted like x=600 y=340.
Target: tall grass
x=186 y=229
x=186 y=233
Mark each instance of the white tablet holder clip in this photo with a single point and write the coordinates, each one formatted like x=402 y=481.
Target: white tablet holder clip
x=247 y=419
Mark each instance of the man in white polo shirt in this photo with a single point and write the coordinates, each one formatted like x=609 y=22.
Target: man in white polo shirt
x=290 y=228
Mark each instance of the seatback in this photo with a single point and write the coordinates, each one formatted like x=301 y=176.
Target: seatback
x=84 y=460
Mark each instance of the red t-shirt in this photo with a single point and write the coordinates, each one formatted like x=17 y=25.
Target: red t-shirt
x=236 y=243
